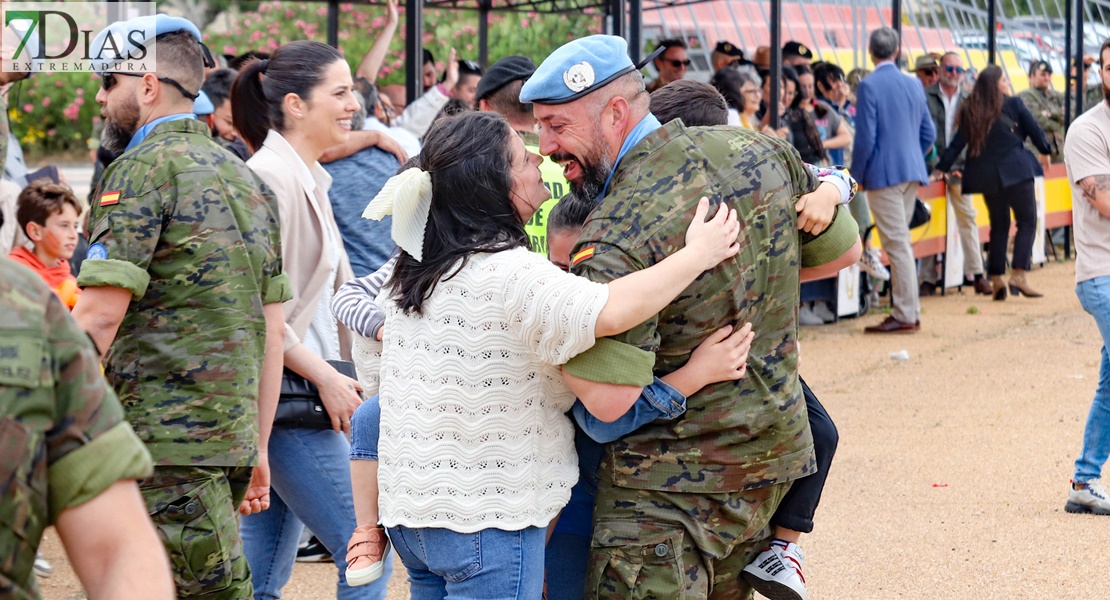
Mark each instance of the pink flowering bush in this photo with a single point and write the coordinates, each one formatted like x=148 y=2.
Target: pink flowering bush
x=49 y=114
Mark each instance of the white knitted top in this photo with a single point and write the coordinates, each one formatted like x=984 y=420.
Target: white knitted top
x=473 y=430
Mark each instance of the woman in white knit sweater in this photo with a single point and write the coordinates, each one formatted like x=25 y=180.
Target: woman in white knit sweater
x=477 y=455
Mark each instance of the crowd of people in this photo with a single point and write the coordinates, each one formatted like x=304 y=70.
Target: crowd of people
x=534 y=332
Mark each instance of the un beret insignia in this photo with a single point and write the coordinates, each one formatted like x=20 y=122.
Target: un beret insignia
x=579 y=77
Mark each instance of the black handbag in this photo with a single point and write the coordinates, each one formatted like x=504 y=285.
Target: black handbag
x=300 y=404
x=921 y=214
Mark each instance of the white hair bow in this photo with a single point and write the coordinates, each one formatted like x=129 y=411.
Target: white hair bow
x=408 y=197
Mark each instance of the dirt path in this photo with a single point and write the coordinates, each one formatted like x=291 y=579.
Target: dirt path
x=953 y=466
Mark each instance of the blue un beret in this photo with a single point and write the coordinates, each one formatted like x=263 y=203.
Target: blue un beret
x=203 y=105
x=578 y=68
x=124 y=41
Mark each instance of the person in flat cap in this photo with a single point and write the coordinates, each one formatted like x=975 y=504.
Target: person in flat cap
x=184 y=262
x=726 y=54
x=927 y=70
x=1047 y=106
x=645 y=179
x=793 y=53
x=499 y=92
x=671 y=62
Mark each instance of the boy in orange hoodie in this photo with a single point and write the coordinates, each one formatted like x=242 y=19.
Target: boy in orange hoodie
x=49 y=215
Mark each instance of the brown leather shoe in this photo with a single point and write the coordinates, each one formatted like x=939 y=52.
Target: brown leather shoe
x=983 y=287
x=892 y=325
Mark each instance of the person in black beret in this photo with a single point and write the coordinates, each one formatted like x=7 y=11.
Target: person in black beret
x=726 y=54
x=794 y=53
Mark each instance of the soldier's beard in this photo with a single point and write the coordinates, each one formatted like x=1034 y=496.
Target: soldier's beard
x=119 y=129
x=1106 y=93
x=595 y=171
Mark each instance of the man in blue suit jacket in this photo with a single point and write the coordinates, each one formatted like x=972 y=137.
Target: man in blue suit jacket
x=893 y=133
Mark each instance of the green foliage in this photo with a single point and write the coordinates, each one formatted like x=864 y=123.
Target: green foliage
x=55 y=113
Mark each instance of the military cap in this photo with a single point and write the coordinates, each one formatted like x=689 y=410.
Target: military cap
x=1040 y=65
x=125 y=45
x=925 y=62
x=203 y=105
x=504 y=72
x=578 y=68
x=728 y=49
x=793 y=48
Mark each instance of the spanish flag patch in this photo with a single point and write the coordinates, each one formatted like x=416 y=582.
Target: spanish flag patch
x=109 y=198
x=582 y=255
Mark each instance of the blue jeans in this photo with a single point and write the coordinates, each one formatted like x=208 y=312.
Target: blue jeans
x=366 y=424
x=490 y=564
x=310 y=482
x=1094 y=295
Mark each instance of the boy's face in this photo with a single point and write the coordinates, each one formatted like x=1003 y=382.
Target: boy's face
x=559 y=245
x=57 y=238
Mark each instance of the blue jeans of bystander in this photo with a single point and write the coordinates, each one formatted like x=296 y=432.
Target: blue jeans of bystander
x=311 y=482
x=1094 y=295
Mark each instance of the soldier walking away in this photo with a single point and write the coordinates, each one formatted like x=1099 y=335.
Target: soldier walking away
x=68 y=459
x=183 y=284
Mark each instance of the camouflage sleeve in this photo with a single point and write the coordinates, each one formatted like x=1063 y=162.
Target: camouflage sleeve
x=625 y=359
x=90 y=446
x=833 y=242
x=276 y=286
x=125 y=223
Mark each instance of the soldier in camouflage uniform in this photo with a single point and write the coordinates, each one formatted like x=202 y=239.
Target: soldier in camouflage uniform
x=1047 y=106
x=183 y=284
x=684 y=505
x=66 y=456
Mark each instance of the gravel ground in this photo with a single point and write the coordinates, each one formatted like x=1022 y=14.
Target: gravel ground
x=953 y=466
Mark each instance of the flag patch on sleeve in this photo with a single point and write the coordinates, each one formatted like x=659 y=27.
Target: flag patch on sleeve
x=582 y=255
x=109 y=198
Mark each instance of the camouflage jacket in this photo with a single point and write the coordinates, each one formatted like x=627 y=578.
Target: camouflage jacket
x=193 y=234
x=734 y=435
x=1047 y=106
x=62 y=436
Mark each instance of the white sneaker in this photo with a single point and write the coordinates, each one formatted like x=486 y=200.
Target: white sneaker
x=872 y=262
x=1089 y=498
x=42 y=567
x=806 y=316
x=777 y=573
x=823 y=312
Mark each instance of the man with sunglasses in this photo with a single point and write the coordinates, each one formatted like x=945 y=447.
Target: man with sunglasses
x=183 y=290
x=927 y=70
x=671 y=64
x=944 y=99
x=1047 y=106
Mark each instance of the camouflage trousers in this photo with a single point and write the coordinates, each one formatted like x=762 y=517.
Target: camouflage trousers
x=669 y=545
x=195 y=510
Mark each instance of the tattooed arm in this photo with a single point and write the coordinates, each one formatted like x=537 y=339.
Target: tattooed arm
x=1096 y=188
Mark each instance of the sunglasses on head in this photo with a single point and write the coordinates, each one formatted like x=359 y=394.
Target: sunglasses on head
x=678 y=63
x=108 y=81
x=952 y=69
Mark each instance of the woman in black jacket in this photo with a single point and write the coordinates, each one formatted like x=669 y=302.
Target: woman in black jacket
x=993 y=126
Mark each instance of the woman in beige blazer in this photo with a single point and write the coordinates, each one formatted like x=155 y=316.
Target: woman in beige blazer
x=290 y=109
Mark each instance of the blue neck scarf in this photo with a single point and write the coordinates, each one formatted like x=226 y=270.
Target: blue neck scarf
x=144 y=131
x=646 y=126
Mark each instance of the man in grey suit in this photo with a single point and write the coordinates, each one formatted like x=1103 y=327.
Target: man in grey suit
x=893 y=133
x=944 y=99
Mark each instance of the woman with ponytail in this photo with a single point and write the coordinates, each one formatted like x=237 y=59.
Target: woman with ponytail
x=290 y=109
